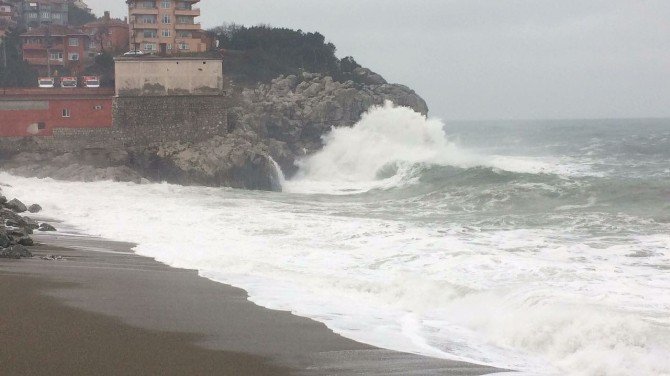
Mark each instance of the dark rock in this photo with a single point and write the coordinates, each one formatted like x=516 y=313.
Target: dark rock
x=15 y=252
x=26 y=241
x=16 y=206
x=3 y=200
x=7 y=253
x=31 y=223
x=46 y=227
x=5 y=240
x=34 y=208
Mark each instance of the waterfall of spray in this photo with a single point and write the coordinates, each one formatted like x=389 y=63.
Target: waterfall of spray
x=280 y=177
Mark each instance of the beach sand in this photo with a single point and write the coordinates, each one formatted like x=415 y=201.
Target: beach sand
x=107 y=311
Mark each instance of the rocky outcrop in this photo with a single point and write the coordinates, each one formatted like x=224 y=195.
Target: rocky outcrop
x=82 y=165
x=15 y=230
x=268 y=125
x=291 y=114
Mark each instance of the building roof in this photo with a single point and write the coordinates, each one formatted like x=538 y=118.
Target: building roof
x=53 y=30
x=106 y=23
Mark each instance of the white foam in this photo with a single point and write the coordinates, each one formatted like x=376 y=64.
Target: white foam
x=388 y=148
x=540 y=300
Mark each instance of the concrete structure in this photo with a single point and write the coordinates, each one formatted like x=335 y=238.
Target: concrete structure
x=107 y=35
x=65 y=48
x=45 y=12
x=159 y=100
x=165 y=27
x=39 y=112
x=154 y=76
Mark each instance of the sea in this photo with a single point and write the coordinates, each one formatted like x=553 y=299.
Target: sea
x=536 y=246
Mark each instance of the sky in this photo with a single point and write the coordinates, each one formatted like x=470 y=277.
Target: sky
x=489 y=59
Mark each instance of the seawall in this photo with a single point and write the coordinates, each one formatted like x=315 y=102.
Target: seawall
x=135 y=121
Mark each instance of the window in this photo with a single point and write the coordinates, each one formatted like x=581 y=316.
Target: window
x=73 y=56
x=150 y=46
x=98 y=107
x=169 y=46
x=185 y=20
x=150 y=34
x=46 y=15
x=166 y=4
x=183 y=46
x=56 y=56
x=56 y=16
x=167 y=33
x=166 y=19
x=73 y=42
x=66 y=112
x=41 y=126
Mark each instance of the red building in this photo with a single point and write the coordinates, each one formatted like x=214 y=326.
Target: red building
x=60 y=48
x=108 y=35
x=37 y=112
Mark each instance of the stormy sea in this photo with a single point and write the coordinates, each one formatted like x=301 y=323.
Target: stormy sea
x=536 y=246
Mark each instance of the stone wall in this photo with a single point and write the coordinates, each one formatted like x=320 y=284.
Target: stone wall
x=153 y=76
x=137 y=121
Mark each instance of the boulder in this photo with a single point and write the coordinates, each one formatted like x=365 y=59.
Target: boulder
x=5 y=240
x=3 y=200
x=11 y=219
x=34 y=208
x=30 y=223
x=15 y=252
x=26 y=241
x=46 y=227
x=17 y=206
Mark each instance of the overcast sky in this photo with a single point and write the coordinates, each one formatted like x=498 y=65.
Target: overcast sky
x=490 y=59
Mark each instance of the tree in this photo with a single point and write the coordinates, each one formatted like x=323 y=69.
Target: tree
x=14 y=72
x=261 y=53
x=78 y=16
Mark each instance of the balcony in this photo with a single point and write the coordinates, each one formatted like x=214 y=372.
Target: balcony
x=153 y=23
x=187 y=12
x=34 y=46
x=187 y=26
x=140 y=11
x=43 y=61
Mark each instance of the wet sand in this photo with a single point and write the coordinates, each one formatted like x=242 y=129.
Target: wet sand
x=107 y=311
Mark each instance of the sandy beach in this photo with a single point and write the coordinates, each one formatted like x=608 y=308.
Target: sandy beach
x=105 y=310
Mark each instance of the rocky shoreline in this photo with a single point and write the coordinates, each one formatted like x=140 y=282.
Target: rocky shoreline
x=15 y=229
x=271 y=126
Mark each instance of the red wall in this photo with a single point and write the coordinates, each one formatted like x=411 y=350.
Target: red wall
x=83 y=114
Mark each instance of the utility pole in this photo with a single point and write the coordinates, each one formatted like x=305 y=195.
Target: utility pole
x=48 y=43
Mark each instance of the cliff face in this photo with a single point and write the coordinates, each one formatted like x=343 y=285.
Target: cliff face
x=292 y=114
x=280 y=121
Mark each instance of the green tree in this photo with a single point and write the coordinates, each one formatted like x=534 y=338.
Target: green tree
x=261 y=53
x=103 y=66
x=14 y=72
x=78 y=16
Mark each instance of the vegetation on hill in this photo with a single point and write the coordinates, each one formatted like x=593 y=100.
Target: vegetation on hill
x=103 y=66
x=14 y=72
x=78 y=17
x=262 y=53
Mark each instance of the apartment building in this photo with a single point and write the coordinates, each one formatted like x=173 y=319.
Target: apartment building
x=57 y=48
x=45 y=12
x=107 y=35
x=165 y=27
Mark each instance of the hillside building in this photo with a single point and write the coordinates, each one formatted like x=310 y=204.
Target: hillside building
x=165 y=27
x=36 y=13
x=56 y=48
x=107 y=35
